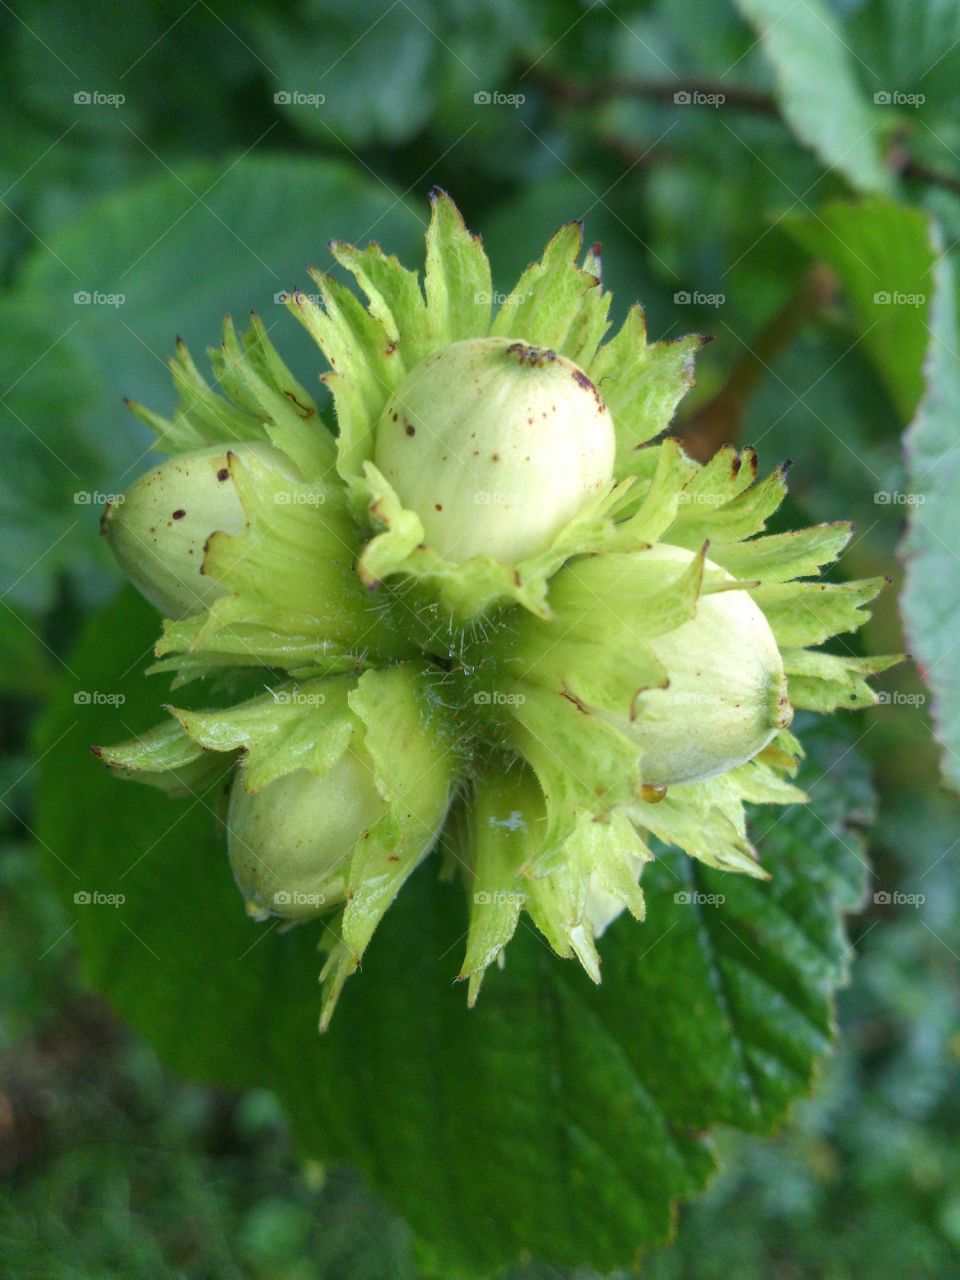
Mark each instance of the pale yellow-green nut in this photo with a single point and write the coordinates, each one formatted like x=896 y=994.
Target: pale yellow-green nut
x=727 y=692
x=496 y=445
x=159 y=529
x=290 y=843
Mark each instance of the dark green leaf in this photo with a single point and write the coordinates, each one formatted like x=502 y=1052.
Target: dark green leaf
x=49 y=503
x=931 y=598
x=817 y=87
x=555 y=1117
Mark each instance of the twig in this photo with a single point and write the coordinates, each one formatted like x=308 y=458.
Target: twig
x=741 y=97
x=718 y=421
x=907 y=166
x=665 y=91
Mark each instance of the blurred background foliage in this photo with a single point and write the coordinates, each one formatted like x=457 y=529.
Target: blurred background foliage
x=708 y=161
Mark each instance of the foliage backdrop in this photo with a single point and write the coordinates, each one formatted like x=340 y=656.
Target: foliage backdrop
x=782 y=176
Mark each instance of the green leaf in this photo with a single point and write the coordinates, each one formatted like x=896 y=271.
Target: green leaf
x=24 y=657
x=292 y=727
x=642 y=382
x=931 y=595
x=825 y=681
x=165 y=757
x=501 y=844
x=883 y=253
x=817 y=87
x=369 y=67
x=808 y=613
x=393 y=293
x=182 y=263
x=555 y=1117
x=294 y=599
x=456 y=277
x=801 y=553
x=376 y=71
x=55 y=476
x=513 y=231
x=545 y=302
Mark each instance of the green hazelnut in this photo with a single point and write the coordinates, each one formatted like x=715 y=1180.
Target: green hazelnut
x=290 y=843
x=159 y=529
x=496 y=445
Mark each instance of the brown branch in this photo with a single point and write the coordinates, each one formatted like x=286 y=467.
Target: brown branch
x=718 y=421
x=567 y=92
x=663 y=91
x=907 y=166
x=638 y=160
